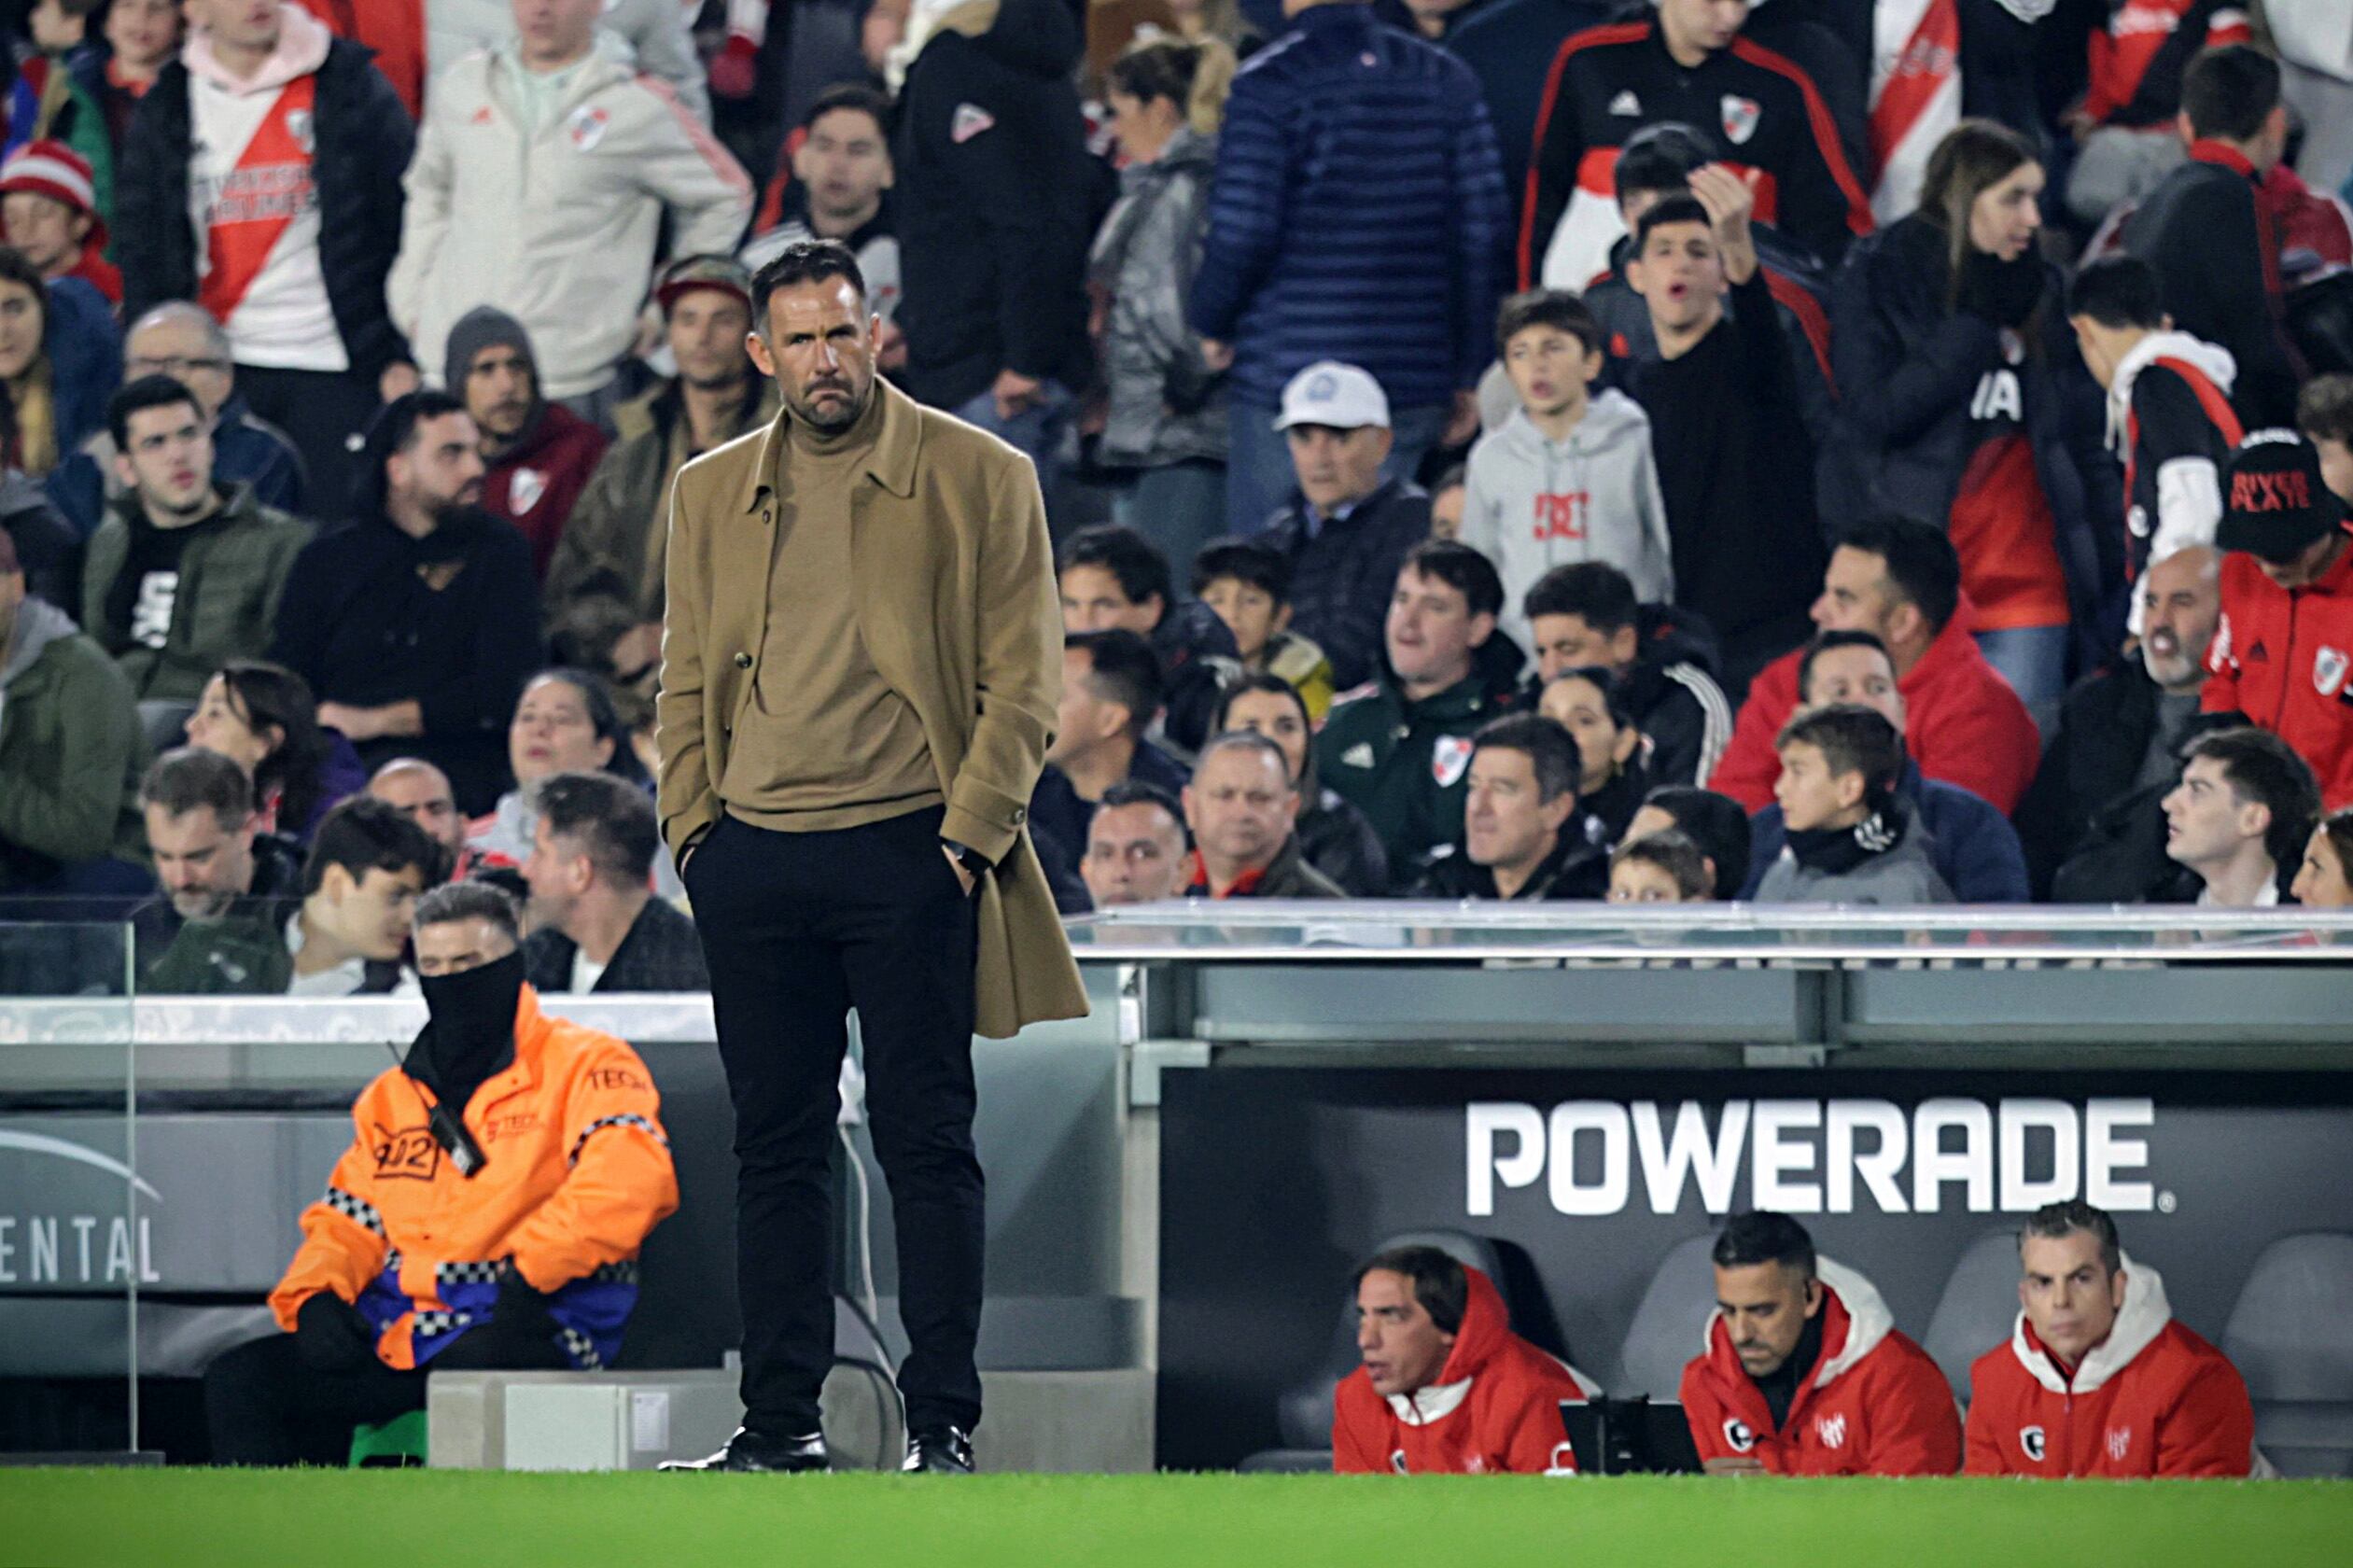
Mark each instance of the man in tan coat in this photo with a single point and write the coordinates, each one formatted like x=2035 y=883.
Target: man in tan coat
x=860 y=666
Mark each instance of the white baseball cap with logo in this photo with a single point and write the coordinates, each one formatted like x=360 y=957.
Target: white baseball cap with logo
x=1338 y=396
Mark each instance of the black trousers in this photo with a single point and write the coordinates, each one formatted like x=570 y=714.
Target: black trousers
x=320 y=412
x=264 y=1404
x=798 y=929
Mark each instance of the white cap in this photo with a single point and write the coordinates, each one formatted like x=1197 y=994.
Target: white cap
x=1340 y=395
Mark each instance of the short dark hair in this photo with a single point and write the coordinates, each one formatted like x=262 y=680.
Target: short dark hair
x=453 y=902
x=856 y=96
x=1245 y=740
x=1762 y=1235
x=1824 y=642
x=1674 y=853
x=1667 y=210
x=1122 y=668
x=1135 y=792
x=1156 y=67
x=2056 y=1221
x=2338 y=825
x=803 y=261
x=1921 y=562
x=1595 y=592
x=2324 y=409
x=147 y=392
x=1462 y=568
x=186 y=779
x=1602 y=679
x=1546 y=307
x=403 y=415
x=610 y=820
x=1852 y=738
x=1453 y=476
x=1256 y=681
x=1250 y=561
x=2118 y=292
x=363 y=834
x=1138 y=565
x=1717 y=823
x=1441 y=1283
x=2265 y=770
x=1660 y=158
x=2230 y=91
x=1550 y=749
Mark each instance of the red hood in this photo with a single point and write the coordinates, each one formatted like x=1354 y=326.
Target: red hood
x=1485 y=1327
x=1953 y=648
x=1854 y=1319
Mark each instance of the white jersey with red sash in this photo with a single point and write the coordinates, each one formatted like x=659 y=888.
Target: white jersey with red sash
x=1915 y=96
x=254 y=202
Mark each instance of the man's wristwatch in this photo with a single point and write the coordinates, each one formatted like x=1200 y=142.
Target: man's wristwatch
x=974 y=864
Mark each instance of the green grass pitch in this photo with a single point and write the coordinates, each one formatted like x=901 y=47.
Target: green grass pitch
x=194 y=1519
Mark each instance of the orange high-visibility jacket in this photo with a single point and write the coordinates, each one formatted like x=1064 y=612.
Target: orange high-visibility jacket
x=577 y=1172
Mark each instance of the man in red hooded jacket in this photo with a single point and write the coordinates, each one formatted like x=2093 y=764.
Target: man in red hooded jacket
x=1900 y=581
x=2097 y=1379
x=1446 y=1388
x=1804 y=1373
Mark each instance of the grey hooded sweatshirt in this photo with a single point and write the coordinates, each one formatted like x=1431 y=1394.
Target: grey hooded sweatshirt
x=1533 y=504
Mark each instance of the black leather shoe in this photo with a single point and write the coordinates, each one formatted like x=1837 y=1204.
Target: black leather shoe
x=752 y=1452
x=942 y=1451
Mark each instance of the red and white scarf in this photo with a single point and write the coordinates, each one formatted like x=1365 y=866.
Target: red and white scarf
x=1915 y=96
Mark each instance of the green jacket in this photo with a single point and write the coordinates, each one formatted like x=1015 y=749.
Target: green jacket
x=1404 y=765
x=227 y=605
x=71 y=751
x=607 y=573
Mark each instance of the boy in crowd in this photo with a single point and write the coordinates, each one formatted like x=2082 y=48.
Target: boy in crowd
x=1569 y=476
x=2239 y=818
x=1735 y=463
x=1663 y=868
x=1850 y=841
x=1247 y=582
x=2168 y=410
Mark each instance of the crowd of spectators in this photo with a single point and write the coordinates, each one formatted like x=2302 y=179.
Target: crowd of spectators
x=1659 y=451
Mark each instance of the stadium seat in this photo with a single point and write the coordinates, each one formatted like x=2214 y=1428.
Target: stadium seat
x=1978 y=1309
x=1668 y=1325
x=2289 y=1337
x=1303 y=1414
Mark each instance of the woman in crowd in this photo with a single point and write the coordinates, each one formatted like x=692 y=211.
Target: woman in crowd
x=1962 y=397
x=2325 y=881
x=1717 y=823
x=1165 y=417
x=1586 y=702
x=564 y=722
x=60 y=359
x=262 y=718
x=1333 y=836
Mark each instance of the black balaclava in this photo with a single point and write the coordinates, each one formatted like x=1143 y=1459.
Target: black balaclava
x=471 y=1036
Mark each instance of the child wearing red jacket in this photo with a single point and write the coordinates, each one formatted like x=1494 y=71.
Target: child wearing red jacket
x=1446 y=1388
x=2097 y=1379
x=1804 y=1372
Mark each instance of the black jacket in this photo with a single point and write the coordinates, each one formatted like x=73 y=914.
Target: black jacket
x=1338 y=841
x=1673 y=696
x=661 y=953
x=1575 y=870
x=1060 y=816
x=2199 y=229
x=1198 y=657
x=2092 y=833
x=1909 y=367
x=997 y=198
x=360 y=623
x=1735 y=468
x=242 y=950
x=1342 y=578
x=1288 y=876
x=363 y=146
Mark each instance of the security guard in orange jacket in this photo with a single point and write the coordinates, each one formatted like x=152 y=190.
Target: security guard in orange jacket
x=487 y=1214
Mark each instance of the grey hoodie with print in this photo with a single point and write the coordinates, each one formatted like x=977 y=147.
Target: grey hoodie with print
x=1533 y=504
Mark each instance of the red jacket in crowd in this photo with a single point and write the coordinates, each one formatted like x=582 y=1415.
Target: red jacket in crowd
x=1963 y=725
x=2152 y=1399
x=2284 y=657
x=1875 y=1405
x=536 y=485
x=1495 y=1407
